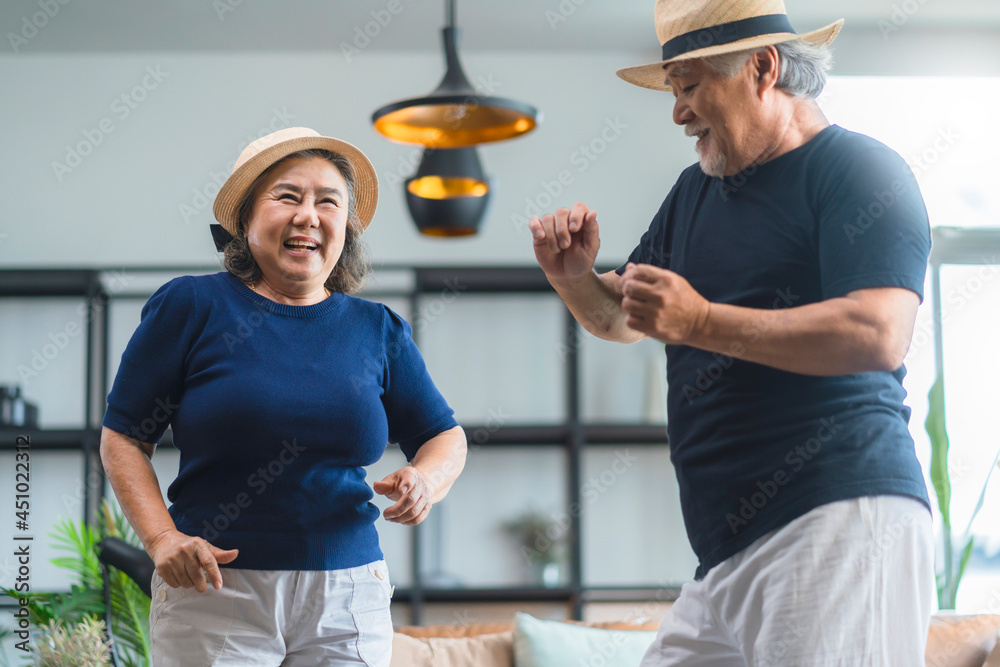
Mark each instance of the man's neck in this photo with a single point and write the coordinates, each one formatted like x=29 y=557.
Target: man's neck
x=796 y=127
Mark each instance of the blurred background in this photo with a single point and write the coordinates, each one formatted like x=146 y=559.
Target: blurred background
x=120 y=119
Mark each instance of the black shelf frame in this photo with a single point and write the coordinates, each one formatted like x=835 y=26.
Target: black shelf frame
x=86 y=284
x=572 y=434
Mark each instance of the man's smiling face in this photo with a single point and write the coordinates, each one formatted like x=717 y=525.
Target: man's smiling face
x=722 y=112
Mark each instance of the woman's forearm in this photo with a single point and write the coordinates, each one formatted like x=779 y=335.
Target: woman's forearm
x=128 y=467
x=441 y=460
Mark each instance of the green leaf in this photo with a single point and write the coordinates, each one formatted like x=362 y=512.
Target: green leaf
x=966 y=552
x=935 y=425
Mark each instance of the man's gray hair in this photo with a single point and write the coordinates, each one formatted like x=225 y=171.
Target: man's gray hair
x=802 y=66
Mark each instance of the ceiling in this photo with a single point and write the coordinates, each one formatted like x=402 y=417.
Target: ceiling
x=321 y=25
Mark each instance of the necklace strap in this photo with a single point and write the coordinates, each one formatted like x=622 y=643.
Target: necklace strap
x=325 y=289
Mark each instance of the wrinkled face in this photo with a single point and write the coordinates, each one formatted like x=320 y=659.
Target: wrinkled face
x=299 y=220
x=721 y=112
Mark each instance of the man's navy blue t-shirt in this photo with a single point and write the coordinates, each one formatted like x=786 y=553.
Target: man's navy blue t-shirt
x=755 y=447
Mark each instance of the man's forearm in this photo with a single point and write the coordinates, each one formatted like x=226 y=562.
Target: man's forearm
x=134 y=481
x=833 y=337
x=596 y=303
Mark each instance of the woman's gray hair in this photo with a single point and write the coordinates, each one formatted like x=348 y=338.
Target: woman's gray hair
x=802 y=67
x=348 y=276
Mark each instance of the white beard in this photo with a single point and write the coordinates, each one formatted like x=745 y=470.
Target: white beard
x=713 y=161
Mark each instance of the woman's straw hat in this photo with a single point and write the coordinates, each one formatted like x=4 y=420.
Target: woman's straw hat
x=264 y=152
x=700 y=28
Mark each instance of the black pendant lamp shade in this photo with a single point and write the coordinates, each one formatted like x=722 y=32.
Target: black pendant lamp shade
x=454 y=115
x=449 y=194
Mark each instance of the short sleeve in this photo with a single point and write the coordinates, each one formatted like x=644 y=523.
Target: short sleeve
x=415 y=409
x=873 y=226
x=654 y=246
x=150 y=381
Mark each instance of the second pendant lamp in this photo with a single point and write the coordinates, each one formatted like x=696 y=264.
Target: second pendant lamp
x=449 y=194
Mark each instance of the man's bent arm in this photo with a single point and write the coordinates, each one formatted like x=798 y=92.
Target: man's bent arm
x=866 y=330
x=596 y=302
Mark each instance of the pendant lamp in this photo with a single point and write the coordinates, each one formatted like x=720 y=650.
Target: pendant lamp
x=449 y=194
x=454 y=115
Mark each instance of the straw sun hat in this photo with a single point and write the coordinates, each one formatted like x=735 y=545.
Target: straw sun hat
x=690 y=29
x=264 y=152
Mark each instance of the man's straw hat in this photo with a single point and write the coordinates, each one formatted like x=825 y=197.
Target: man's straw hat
x=690 y=29
x=264 y=152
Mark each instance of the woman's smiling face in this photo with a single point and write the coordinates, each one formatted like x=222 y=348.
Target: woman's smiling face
x=297 y=228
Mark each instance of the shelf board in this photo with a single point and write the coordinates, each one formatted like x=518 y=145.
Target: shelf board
x=45 y=282
x=625 y=434
x=512 y=594
x=547 y=435
x=539 y=594
x=959 y=245
x=463 y=280
x=49 y=439
x=631 y=593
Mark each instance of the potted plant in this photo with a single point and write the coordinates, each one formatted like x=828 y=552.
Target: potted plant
x=541 y=542
x=82 y=644
x=85 y=600
x=950 y=572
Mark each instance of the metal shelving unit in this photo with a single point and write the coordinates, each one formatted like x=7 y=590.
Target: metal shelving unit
x=571 y=434
x=86 y=284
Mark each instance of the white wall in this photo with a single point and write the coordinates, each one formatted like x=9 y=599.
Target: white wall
x=121 y=205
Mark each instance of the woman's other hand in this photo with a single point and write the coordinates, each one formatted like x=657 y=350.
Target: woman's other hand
x=409 y=488
x=183 y=561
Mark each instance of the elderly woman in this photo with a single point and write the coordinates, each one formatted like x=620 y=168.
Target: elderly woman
x=280 y=388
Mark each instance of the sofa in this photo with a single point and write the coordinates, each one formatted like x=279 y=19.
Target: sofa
x=953 y=641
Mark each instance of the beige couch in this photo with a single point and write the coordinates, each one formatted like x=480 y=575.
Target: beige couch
x=953 y=641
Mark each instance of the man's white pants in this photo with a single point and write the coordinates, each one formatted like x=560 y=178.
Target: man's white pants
x=848 y=584
x=267 y=618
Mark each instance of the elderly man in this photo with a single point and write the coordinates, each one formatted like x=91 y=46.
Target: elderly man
x=783 y=272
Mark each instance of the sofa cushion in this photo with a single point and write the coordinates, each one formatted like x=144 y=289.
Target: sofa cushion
x=540 y=643
x=455 y=631
x=493 y=650
x=961 y=641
